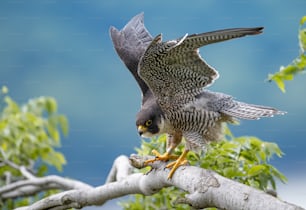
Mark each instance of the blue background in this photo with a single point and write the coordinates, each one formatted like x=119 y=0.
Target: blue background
x=63 y=49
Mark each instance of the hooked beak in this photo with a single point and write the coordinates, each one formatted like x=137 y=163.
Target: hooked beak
x=141 y=129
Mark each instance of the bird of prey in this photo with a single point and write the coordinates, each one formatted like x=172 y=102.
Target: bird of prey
x=130 y=44
x=172 y=76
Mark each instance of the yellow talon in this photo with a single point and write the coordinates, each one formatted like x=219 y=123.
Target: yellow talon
x=161 y=157
x=179 y=162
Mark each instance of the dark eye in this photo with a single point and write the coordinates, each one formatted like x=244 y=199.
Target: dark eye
x=148 y=123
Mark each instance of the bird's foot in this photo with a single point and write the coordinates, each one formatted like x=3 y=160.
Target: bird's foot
x=161 y=157
x=175 y=164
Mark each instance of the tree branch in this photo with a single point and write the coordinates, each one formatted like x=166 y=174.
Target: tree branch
x=26 y=172
x=206 y=189
x=121 y=168
x=32 y=184
x=39 y=184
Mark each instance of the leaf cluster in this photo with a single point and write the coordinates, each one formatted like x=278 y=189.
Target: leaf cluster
x=298 y=65
x=29 y=136
x=244 y=159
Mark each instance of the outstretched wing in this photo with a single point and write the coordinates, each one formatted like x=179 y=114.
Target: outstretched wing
x=130 y=44
x=175 y=71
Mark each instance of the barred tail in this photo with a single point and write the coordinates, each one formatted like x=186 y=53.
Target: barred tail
x=250 y=111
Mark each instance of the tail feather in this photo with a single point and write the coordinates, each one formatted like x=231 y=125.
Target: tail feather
x=199 y=40
x=251 y=111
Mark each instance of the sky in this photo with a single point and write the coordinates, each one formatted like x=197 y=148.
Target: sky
x=63 y=49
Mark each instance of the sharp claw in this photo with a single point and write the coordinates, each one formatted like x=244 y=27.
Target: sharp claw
x=174 y=166
x=179 y=162
x=161 y=157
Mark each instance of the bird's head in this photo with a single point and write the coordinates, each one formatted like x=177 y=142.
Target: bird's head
x=149 y=122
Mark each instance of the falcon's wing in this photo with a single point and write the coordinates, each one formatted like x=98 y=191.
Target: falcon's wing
x=175 y=71
x=130 y=44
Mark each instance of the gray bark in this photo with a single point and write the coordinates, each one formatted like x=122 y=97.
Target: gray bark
x=205 y=189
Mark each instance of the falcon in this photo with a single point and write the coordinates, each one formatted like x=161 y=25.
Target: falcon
x=171 y=76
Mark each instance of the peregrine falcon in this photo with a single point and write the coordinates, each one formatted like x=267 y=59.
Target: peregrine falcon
x=172 y=76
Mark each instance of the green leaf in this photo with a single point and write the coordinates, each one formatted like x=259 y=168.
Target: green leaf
x=255 y=142
x=42 y=170
x=231 y=172
x=51 y=105
x=280 y=83
x=54 y=158
x=303 y=20
x=288 y=72
x=301 y=63
x=255 y=170
x=278 y=174
x=272 y=149
x=64 y=124
x=263 y=156
x=229 y=146
x=3 y=125
x=61 y=160
x=12 y=105
x=297 y=65
x=53 y=132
